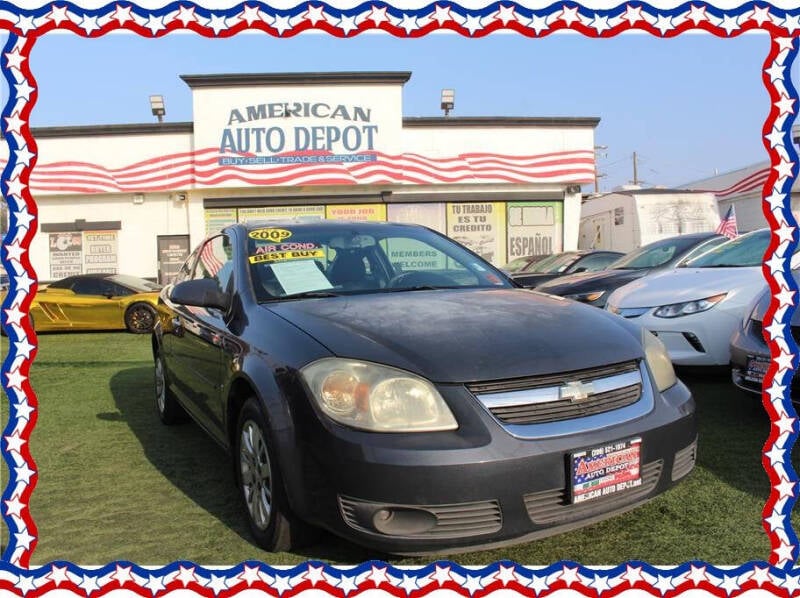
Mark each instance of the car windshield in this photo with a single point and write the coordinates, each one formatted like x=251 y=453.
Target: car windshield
x=314 y=260
x=136 y=284
x=555 y=263
x=653 y=255
x=746 y=250
x=519 y=263
x=701 y=249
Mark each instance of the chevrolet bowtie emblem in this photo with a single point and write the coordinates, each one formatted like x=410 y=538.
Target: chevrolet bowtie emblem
x=576 y=391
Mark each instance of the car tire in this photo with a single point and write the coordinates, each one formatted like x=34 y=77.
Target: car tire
x=169 y=410
x=274 y=527
x=140 y=318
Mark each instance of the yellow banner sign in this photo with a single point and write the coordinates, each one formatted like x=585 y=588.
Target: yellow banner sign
x=279 y=256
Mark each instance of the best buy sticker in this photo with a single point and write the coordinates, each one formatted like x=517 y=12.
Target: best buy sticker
x=279 y=256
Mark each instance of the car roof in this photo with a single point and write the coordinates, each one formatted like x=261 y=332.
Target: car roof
x=322 y=223
x=91 y=275
x=698 y=237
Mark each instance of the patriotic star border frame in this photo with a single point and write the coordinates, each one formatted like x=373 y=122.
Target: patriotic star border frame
x=777 y=574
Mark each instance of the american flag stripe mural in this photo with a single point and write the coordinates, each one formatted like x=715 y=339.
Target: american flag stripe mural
x=776 y=574
x=751 y=182
x=203 y=168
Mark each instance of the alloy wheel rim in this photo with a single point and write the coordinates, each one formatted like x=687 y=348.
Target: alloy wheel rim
x=160 y=386
x=141 y=318
x=256 y=474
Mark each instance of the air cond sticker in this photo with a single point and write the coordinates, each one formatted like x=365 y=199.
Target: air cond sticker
x=270 y=234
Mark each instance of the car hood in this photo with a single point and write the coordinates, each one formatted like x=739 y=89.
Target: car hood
x=687 y=284
x=456 y=336
x=591 y=281
x=534 y=278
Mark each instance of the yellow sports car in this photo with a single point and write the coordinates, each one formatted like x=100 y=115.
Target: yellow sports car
x=96 y=302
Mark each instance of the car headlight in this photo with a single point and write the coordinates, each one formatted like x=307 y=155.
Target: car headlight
x=658 y=361
x=586 y=297
x=376 y=397
x=686 y=308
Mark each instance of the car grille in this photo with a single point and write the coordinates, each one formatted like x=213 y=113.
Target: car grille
x=552 y=506
x=684 y=461
x=541 y=399
x=452 y=521
x=757 y=329
x=551 y=379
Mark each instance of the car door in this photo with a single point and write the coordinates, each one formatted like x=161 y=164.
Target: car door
x=90 y=305
x=196 y=341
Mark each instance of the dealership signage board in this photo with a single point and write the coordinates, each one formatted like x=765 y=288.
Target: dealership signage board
x=481 y=227
x=89 y=252
x=100 y=252
x=172 y=253
x=257 y=134
x=375 y=212
x=297 y=125
x=218 y=218
x=431 y=215
x=66 y=254
x=534 y=228
x=410 y=255
x=281 y=213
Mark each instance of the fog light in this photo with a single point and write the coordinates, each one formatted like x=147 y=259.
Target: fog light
x=403 y=521
x=381 y=517
x=695 y=342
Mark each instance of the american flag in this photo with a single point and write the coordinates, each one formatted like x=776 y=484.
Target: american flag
x=209 y=260
x=727 y=226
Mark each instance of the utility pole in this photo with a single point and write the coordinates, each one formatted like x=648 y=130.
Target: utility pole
x=597 y=175
x=635 y=175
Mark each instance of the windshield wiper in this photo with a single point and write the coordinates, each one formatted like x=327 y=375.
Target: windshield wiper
x=723 y=266
x=305 y=295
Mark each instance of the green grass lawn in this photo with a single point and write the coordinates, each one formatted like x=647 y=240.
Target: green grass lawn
x=116 y=484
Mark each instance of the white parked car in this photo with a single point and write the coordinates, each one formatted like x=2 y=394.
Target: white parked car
x=694 y=309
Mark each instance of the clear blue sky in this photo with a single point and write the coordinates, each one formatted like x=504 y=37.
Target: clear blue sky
x=687 y=106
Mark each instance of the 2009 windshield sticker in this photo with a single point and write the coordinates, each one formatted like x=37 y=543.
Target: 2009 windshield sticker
x=270 y=234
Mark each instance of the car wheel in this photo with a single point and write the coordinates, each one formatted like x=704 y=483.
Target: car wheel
x=140 y=318
x=273 y=525
x=169 y=410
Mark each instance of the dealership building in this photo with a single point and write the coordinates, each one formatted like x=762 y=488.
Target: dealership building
x=742 y=189
x=134 y=198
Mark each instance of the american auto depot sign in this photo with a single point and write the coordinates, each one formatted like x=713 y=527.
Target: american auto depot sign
x=259 y=134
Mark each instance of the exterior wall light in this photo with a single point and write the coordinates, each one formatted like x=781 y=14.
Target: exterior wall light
x=448 y=100
x=158 y=108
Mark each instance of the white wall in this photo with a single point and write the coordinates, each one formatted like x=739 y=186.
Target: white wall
x=160 y=214
x=516 y=141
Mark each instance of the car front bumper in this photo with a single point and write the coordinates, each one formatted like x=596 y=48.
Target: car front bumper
x=701 y=339
x=480 y=486
x=747 y=347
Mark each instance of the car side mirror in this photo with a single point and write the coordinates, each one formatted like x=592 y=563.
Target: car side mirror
x=581 y=269
x=202 y=292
